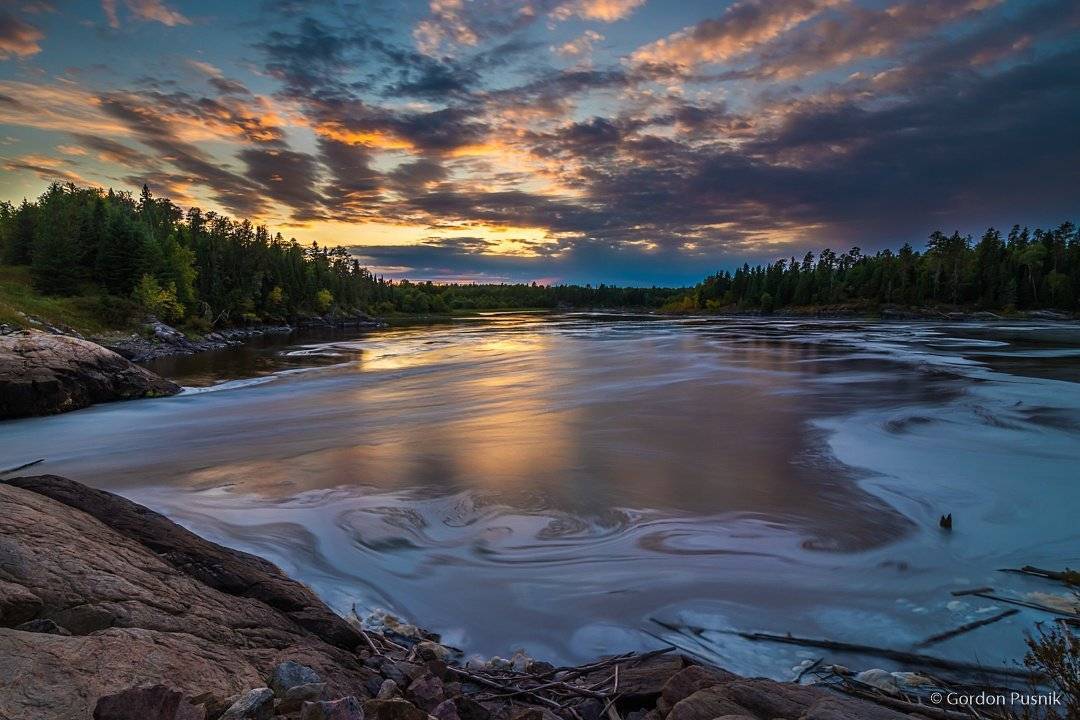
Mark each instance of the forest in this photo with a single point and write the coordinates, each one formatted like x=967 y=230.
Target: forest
x=1023 y=270
x=145 y=254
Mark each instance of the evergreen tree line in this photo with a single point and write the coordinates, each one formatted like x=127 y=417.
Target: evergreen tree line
x=146 y=254
x=1023 y=270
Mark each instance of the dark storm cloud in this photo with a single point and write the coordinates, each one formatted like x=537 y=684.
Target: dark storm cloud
x=113 y=151
x=18 y=38
x=287 y=176
x=229 y=189
x=354 y=184
x=412 y=176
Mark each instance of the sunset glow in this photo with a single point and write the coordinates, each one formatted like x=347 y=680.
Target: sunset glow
x=579 y=140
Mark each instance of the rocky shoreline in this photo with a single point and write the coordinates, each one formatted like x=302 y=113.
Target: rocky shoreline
x=161 y=340
x=43 y=374
x=110 y=610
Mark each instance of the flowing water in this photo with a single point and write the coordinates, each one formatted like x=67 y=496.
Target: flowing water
x=559 y=483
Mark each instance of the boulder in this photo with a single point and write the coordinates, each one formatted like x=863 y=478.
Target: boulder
x=689 y=680
x=291 y=674
x=147 y=703
x=43 y=625
x=642 y=680
x=427 y=691
x=346 y=708
x=446 y=710
x=707 y=704
x=389 y=689
x=132 y=597
x=43 y=374
x=257 y=704
x=392 y=710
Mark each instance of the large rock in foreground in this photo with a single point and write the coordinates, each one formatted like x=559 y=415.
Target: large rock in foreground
x=145 y=603
x=43 y=374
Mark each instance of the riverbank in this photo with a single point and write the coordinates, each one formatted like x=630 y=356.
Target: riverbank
x=884 y=312
x=107 y=605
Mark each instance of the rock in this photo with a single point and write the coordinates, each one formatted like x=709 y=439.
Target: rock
x=43 y=374
x=427 y=691
x=639 y=682
x=1048 y=315
x=297 y=695
x=389 y=689
x=290 y=674
x=689 y=680
x=532 y=713
x=257 y=704
x=469 y=709
x=229 y=571
x=446 y=710
x=881 y=679
x=346 y=708
x=43 y=625
x=403 y=673
x=129 y=589
x=838 y=708
x=428 y=650
x=770 y=699
x=392 y=710
x=17 y=604
x=149 y=703
x=706 y=704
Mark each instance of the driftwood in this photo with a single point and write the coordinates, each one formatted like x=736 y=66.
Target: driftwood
x=1027 y=604
x=1069 y=577
x=17 y=468
x=967 y=627
x=902 y=705
x=900 y=656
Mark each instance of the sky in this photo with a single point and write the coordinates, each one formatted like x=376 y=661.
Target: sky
x=622 y=141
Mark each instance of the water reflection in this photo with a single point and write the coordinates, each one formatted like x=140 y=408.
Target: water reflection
x=555 y=482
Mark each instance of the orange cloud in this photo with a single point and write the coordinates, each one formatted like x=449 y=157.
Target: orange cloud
x=147 y=10
x=18 y=38
x=602 y=10
x=742 y=28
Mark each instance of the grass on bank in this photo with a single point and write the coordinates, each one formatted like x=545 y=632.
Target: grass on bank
x=82 y=311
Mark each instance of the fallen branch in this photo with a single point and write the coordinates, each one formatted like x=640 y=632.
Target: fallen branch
x=808 y=668
x=968 y=627
x=1069 y=577
x=481 y=680
x=903 y=705
x=1025 y=603
x=897 y=655
x=17 y=468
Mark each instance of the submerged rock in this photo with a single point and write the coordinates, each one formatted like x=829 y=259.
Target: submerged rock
x=43 y=374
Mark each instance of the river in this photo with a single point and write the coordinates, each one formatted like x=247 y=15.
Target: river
x=560 y=482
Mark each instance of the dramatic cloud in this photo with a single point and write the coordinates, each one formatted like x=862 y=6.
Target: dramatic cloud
x=743 y=27
x=17 y=38
x=147 y=10
x=582 y=140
